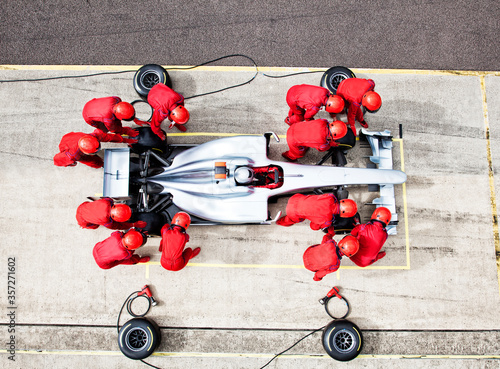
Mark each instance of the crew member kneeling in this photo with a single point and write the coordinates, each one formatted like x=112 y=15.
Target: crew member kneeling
x=318 y=134
x=325 y=258
x=119 y=249
x=173 y=240
x=371 y=237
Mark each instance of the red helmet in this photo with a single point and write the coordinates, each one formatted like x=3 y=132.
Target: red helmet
x=120 y=212
x=338 y=129
x=334 y=104
x=124 y=111
x=181 y=219
x=382 y=215
x=371 y=101
x=133 y=239
x=349 y=245
x=348 y=208
x=88 y=144
x=179 y=115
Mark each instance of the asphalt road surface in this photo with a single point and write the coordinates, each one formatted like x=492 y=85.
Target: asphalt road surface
x=426 y=34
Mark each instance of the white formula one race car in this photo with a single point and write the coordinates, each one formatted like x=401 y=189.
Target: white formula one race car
x=229 y=180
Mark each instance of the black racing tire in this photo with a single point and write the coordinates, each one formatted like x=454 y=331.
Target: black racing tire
x=149 y=75
x=333 y=76
x=342 y=340
x=138 y=338
x=148 y=140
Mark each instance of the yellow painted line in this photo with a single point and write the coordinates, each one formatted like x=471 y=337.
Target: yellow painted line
x=493 y=201
x=181 y=68
x=279 y=266
x=247 y=355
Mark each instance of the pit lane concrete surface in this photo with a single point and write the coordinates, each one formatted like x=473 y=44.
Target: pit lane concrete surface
x=432 y=301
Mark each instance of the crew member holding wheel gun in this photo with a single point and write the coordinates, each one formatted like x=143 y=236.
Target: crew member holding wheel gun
x=166 y=103
x=371 y=237
x=318 y=134
x=319 y=209
x=119 y=249
x=173 y=240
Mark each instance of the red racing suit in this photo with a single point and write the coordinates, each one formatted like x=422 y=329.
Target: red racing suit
x=352 y=91
x=70 y=152
x=324 y=258
x=91 y=215
x=163 y=100
x=111 y=252
x=319 y=209
x=99 y=114
x=173 y=255
x=371 y=237
x=305 y=101
x=302 y=135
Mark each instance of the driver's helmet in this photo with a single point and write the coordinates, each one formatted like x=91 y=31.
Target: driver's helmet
x=244 y=175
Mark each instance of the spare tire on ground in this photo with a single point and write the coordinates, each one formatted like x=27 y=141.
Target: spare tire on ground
x=149 y=75
x=333 y=76
x=342 y=340
x=138 y=338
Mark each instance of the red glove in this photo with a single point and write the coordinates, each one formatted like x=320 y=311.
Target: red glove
x=317 y=279
x=334 y=144
x=364 y=124
x=132 y=133
x=380 y=255
x=130 y=140
x=140 y=224
x=144 y=259
x=140 y=122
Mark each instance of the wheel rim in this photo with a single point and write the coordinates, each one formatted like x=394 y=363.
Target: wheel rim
x=344 y=341
x=337 y=78
x=136 y=339
x=150 y=79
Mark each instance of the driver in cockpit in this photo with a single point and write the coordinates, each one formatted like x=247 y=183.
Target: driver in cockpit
x=270 y=176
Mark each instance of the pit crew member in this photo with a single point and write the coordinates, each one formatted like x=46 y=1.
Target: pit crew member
x=82 y=147
x=104 y=212
x=325 y=258
x=357 y=92
x=306 y=100
x=318 y=134
x=371 y=237
x=106 y=114
x=119 y=248
x=166 y=104
x=321 y=210
x=173 y=239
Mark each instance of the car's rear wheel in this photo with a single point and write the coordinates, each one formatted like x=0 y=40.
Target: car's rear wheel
x=333 y=76
x=149 y=75
x=342 y=340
